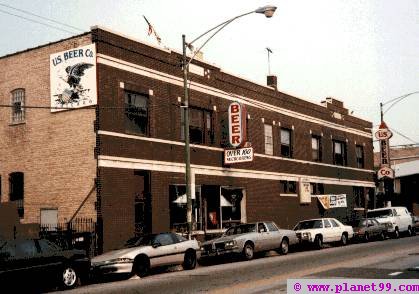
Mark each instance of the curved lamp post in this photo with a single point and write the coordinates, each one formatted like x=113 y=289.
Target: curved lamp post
x=268 y=11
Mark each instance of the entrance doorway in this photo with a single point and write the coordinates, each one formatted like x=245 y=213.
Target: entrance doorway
x=142 y=203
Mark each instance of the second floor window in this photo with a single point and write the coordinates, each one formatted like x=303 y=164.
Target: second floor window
x=136 y=113
x=201 y=130
x=286 y=143
x=339 y=153
x=359 y=150
x=269 y=147
x=288 y=187
x=18 y=103
x=315 y=149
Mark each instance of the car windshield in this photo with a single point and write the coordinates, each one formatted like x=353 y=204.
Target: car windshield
x=361 y=223
x=139 y=241
x=310 y=224
x=241 y=229
x=380 y=213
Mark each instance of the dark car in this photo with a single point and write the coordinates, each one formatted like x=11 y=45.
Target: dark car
x=39 y=261
x=366 y=229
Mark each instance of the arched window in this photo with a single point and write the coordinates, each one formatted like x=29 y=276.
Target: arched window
x=18 y=103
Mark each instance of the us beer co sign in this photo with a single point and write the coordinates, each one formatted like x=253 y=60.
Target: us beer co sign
x=383 y=135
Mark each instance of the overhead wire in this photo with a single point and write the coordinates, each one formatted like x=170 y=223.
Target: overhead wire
x=42 y=17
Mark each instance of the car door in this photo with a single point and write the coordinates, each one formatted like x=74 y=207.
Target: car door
x=51 y=255
x=337 y=230
x=9 y=266
x=329 y=231
x=275 y=236
x=262 y=238
x=163 y=251
x=29 y=259
x=181 y=245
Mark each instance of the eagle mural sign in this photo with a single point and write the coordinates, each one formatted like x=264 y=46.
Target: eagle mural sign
x=73 y=78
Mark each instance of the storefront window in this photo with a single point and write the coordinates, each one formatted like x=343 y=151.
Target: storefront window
x=178 y=208
x=230 y=202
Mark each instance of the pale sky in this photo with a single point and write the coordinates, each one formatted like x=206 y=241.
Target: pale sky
x=362 y=52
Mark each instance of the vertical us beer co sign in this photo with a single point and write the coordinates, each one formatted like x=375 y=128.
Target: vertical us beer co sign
x=237 y=124
x=237 y=135
x=383 y=135
x=73 y=78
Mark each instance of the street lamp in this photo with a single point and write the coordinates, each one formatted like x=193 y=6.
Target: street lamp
x=268 y=11
x=384 y=135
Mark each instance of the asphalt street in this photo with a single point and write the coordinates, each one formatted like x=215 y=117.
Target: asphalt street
x=390 y=259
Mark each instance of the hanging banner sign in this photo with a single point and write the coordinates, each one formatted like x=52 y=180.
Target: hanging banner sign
x=304 y=191
x=332 y=201
x=73 y=78
x=238 y=155
x=237 y=124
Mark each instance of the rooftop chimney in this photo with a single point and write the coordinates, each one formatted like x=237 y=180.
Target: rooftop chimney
x=272 y=81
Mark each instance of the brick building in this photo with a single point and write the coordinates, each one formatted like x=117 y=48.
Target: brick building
x=131 y=144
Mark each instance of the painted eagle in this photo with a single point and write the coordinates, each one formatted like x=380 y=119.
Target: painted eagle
x=75 y=72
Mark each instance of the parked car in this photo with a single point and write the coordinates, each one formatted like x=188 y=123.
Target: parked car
x=140 y=254
x=415 y=222
x=323 y=230
x=366 y=229
x=41 y=261
x=246 y=239
x=398 y=218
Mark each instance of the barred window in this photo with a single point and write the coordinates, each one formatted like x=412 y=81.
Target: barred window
x=268 y=140
x=136 y=113
x=18 y=103
x=359 y=150
x=286 y=143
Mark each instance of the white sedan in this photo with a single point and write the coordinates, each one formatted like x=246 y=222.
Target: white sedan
x=323 y=230
x=142 y=253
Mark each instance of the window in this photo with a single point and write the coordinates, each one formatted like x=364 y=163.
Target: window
x=334 y=223
x=163 y=239
x=315 y=149
x=261 y=228
x=269 y=149
x=272 y=227
x=201 y=130
x=316 y=189
x=286 y=144
x=359 y=150
x=288 y=187
x=327 y=224
x=16 y=188
x=339 y=153
x=136 y=113
x=18 y=103
x=26 y=248
x=359 y=199
x=49 y=219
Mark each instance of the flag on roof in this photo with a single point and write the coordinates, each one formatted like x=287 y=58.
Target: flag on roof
x=151 y=30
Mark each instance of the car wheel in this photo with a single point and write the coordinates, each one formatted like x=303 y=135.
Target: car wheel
x=396 y=233
x=69 y=277
x=318 y=242
x=141 y=266
x=284 y=247
x=189 y=261
x=382 y=236
x=409 y=231
x=248 y=251
x=366 y=237
x=343 y=240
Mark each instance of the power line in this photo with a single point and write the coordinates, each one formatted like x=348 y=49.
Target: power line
x=406 y=137
x=40 y=16
x=38 y=22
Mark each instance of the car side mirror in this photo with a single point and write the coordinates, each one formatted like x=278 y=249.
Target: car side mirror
x=262 y=230
x=156 y=244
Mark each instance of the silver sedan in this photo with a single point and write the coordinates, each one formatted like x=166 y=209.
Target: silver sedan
x=246 y=239
x=142 y=253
